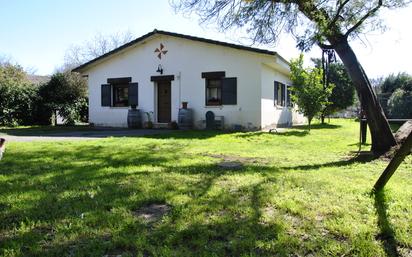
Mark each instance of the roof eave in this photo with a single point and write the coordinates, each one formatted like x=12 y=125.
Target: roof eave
x=84 y=66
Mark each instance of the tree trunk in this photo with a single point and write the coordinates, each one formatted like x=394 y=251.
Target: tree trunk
x=394 y=164
x=322 y=118
x=382 y=137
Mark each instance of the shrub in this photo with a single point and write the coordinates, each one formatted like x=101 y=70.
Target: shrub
x=400 y=104
x=18 y=97
x=67 y=94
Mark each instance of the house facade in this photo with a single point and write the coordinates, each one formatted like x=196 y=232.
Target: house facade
x=246 y=87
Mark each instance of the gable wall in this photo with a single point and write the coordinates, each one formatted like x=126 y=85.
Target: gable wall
x=186 y=60
x=271 y=115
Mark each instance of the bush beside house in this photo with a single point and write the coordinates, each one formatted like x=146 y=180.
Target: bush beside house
x=25 y=101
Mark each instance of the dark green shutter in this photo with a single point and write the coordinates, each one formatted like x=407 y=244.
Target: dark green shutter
x=133 y=94
x=106 y=95
x=229 y=91
x=275 y=96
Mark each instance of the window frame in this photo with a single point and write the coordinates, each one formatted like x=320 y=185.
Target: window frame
x=115 y=103
x=219 y=92
x=215 y=76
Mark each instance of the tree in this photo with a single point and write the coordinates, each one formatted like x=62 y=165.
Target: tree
x=18 y=97
x=393 y=94
x=394 y=82
x=309 y=92
x=400 y=104
x=99 y=45
x=67 y=94
x=329 y=24
x=343 y=94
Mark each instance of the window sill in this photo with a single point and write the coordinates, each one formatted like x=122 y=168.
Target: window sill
x=119 y=107
x=283 y=107
x=213 y=106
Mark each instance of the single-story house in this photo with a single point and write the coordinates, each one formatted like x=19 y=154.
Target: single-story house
x=246 y=87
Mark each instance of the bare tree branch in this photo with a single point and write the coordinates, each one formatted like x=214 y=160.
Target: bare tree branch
x=361 y=20
x=338 y=11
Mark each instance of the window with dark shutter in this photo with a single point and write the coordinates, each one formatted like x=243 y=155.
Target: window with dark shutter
x=133 y=94
x=275 y=90
x=106 y=95
x=214 y=91
x=229 y=91
x=279 y=94
x=120 y=95
x=283 y=94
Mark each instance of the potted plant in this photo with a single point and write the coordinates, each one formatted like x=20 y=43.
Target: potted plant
x=148 y=124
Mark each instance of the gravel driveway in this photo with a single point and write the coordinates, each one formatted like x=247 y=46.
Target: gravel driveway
x=84 y=135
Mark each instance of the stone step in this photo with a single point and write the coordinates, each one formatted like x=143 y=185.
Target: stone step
x=160 y=125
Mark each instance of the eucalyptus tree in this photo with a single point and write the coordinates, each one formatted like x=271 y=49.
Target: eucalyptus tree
x=330 y=24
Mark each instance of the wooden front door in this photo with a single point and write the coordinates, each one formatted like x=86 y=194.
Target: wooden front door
x=164 y=101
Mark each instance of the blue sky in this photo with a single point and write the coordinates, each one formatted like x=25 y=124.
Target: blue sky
x=37 y=33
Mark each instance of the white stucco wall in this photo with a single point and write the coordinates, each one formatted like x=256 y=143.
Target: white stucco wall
x=272 y=115
x=186 y=60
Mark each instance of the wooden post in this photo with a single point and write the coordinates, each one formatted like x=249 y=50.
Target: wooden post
x=393 y=165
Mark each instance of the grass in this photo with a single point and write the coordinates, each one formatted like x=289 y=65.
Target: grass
x=297 y=194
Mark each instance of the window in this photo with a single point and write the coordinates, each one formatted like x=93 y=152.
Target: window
x=219 y=89
x=120 y=92
x=280 y=94
x=213 y=91
x=120 y=95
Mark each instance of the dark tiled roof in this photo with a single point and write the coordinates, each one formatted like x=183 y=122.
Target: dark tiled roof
x=160 y=32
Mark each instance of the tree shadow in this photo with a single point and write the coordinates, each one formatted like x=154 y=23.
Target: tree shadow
x=387 y=234
x=80 y=196
x=318 y=126
x=41 y=130
x=190 y=134
x=355 y=159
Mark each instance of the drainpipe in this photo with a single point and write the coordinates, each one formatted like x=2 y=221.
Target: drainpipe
x=179 y=76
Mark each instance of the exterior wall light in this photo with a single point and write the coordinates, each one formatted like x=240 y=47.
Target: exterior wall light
x=160 y=69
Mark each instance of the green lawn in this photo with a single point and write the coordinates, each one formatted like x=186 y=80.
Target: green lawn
x=298 y=194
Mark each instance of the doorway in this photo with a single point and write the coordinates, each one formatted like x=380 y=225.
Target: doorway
x=164 y=102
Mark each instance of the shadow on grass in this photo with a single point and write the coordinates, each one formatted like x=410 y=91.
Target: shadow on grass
x=190 y=134
x=104 y=132
x=356 y=159
x=294 y=133
x=81 y=203
x=387 y=234
x=318 y=126
x=78 y=200
x=41 y=130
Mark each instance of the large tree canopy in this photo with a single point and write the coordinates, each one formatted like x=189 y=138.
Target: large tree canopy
x=328 y=24
x=310 y=21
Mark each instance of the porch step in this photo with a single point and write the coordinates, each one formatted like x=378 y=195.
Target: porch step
x=161 y=125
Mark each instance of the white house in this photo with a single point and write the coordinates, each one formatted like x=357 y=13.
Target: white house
x=246 y=86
